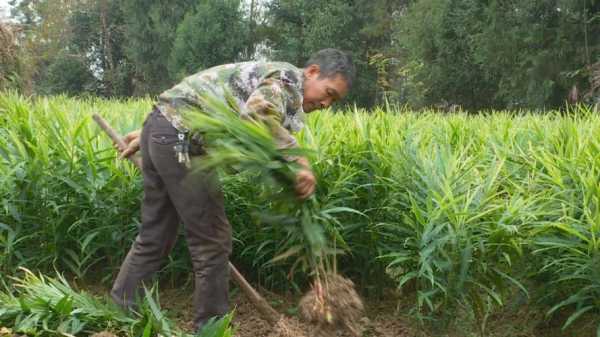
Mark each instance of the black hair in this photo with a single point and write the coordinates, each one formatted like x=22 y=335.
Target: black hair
x=332 y=62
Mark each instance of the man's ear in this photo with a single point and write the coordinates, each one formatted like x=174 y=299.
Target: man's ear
x=312 y=71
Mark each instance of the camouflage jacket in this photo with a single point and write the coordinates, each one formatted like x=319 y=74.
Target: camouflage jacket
x=267 y=91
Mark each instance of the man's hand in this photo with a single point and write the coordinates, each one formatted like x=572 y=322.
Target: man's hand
x=132 y=140
x=305 y=180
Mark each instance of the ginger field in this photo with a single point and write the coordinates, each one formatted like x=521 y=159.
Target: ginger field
x=483 y=224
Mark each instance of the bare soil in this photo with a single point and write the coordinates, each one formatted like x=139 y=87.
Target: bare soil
x=383 y=318
x=379 y=322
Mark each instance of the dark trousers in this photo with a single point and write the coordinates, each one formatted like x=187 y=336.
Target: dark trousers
x=172 y=194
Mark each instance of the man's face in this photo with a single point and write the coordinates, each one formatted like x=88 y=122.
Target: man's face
x=320 y=93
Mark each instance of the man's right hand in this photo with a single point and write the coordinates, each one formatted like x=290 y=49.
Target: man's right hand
x=132 y=142
x=305 y=179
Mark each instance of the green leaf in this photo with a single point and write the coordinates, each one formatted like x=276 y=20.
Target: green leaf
x=148 y=328
x=576 y=315
x=290 y=252
x=64 y=306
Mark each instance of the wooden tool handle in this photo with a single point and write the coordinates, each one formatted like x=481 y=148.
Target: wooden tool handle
x=116 y=138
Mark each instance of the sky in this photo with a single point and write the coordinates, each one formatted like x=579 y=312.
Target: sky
x=4 y=9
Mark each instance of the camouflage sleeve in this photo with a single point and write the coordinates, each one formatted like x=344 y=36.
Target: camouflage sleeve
x=271 y=103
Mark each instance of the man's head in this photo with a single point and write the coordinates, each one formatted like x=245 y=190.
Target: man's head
x=328 y=76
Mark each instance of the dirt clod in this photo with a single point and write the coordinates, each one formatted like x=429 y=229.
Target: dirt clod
x=332 y=305
x=104 y=334
x=288 y=327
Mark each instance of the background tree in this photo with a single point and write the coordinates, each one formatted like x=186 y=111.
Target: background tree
x=214 y=32
x=497 y=53
x=44 y=36
x=150 y=30
x=479 y=54
x=99 y=38
x=299 y=28
x=10 y=66
x=68 y=74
